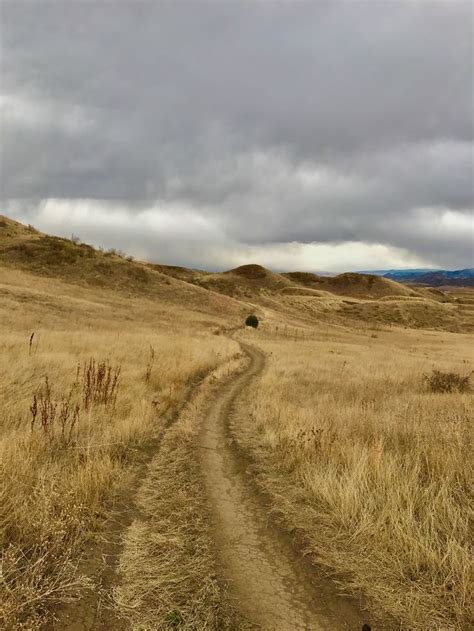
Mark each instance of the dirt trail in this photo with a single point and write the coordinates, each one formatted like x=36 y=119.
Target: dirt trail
x=269 y=584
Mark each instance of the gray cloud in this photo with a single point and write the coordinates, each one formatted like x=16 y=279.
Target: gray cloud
x=260 y=126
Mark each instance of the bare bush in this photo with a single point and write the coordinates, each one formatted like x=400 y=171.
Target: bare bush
x=440 y=381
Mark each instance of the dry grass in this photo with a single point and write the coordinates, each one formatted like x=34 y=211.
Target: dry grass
x=369 y=466
x=78 y=401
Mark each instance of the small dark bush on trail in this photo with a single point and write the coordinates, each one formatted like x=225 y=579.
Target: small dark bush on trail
x=252 y=320
x=440 y=381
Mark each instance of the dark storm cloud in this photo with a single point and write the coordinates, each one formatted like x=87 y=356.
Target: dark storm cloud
x=261 y=125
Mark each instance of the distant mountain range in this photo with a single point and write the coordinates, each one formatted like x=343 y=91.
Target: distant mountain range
x=431 y=277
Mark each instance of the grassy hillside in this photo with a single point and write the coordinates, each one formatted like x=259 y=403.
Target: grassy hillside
x=298 y=297
x=24 y=248
x=356 y=285
x=72 y=440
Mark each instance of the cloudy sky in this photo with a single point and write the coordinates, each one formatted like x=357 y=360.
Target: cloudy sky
x=299 y=135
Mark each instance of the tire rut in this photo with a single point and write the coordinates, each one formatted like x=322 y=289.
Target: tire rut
x=269 y=584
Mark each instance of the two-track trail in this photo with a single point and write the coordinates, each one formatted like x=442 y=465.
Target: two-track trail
x=269 y=584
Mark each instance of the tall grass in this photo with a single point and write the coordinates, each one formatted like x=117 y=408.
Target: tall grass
x=370 y=467
x=78 y=402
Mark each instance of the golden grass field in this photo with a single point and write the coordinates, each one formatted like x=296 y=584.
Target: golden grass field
x=363 y=464
x=371 y=469
x=56 y=488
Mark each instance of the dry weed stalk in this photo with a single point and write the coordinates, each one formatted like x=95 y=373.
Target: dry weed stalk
x=100 y=383
x=150 y=364
x=51 y=412
x=30 y=347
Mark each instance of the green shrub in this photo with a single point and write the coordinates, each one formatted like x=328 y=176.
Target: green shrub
x=252 y=320
x=440 y=381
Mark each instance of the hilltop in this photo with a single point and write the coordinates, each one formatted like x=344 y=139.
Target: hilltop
x=351 y=284
x=299 y=298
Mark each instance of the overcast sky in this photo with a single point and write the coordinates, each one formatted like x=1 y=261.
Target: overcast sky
x=298 y=135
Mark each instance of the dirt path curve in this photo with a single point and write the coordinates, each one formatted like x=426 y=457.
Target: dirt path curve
x=269 y=584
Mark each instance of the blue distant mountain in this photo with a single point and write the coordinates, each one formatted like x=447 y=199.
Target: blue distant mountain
x=399 y=272
x=431 y=277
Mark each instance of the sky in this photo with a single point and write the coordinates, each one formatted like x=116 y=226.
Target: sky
x=318 y=136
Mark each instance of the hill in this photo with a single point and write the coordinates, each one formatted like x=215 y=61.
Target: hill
x=351 y=284
x=430 y=277
x=457 y=278
x=299 y=298
x=27 y=249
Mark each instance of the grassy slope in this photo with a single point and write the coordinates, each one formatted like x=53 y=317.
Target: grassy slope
x=295 y=296
x=24 y=248
x=361 y=299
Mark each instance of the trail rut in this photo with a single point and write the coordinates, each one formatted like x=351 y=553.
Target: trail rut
x=269 y=584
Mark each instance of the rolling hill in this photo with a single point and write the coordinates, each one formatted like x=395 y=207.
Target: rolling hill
x=300 y=298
